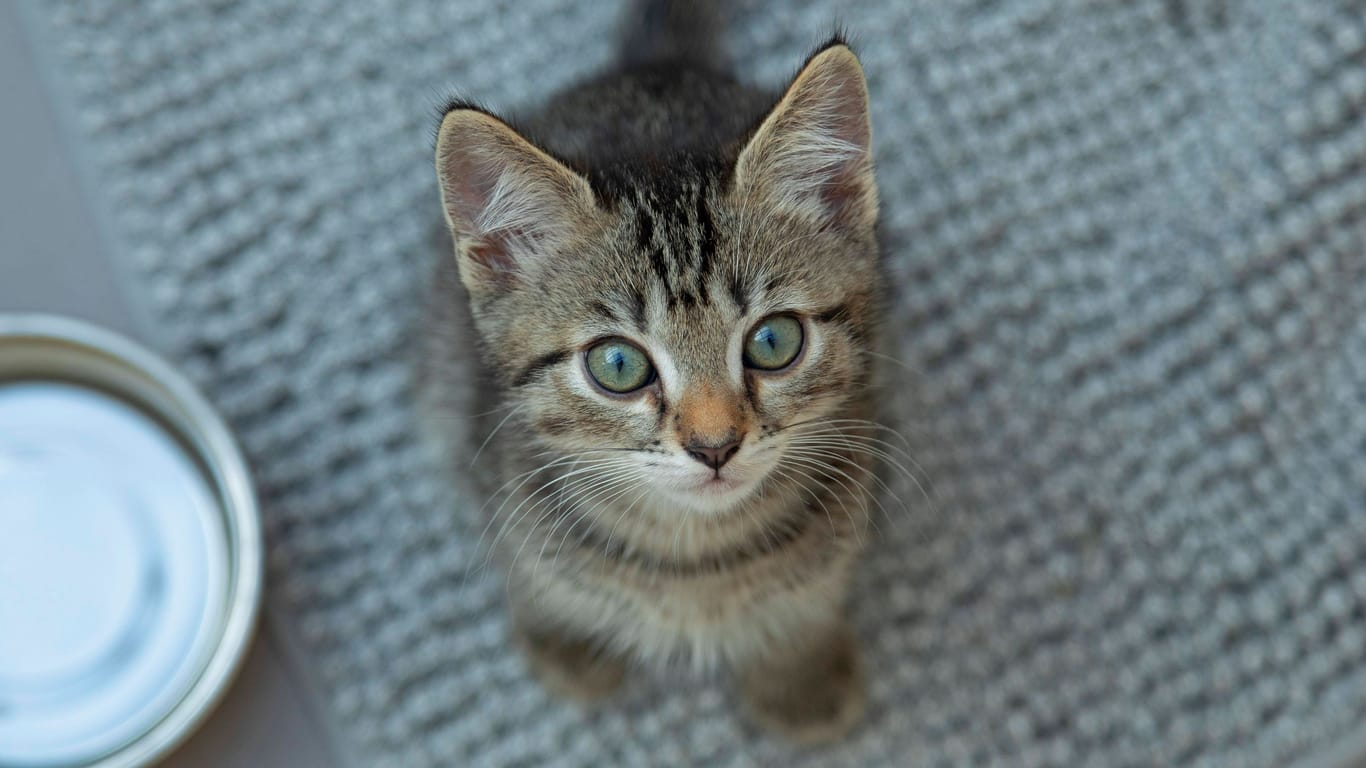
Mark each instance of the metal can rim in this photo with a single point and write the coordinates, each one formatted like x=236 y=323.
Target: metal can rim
x=170 y=396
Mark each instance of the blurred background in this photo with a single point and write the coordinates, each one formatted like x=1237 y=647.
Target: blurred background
x=55 y=258
x=1127 y=246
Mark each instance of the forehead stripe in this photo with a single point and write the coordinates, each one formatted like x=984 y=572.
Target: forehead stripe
x=638 y=309
x=605 y=311
x=706 y=244
x=739 y=294
x=645 y=242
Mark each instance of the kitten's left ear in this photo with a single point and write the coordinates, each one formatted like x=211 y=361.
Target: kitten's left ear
x=812 y=155
x=510 y=206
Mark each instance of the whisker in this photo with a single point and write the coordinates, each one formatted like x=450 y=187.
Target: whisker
x=839 y=434
x=827 y=467
x=833 y=453
x=933 y=506
x=817 y=498
x=525 y=478
x=765 y=529
x=905 y=365
x=841 y=444
x=546 y=512
x=583 y=494
x=484 y=444
x=607 y=545
x=625 y=487
x=867 y=446
x=827 y=426
x=848 y=424
x=678 y=530
x=513 y=519
x=846 y=444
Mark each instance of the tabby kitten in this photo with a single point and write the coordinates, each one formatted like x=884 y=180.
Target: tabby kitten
x=671 y=279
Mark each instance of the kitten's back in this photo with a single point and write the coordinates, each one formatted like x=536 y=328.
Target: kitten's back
x=672 y=93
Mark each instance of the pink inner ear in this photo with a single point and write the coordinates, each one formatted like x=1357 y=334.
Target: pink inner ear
x=492 y=255
x=813 y=153
x=510 y=204
x=849 y=108
x=845 y=191
x=470 y=184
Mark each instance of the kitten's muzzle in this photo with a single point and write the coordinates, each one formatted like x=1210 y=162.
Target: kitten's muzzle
x=714 y=456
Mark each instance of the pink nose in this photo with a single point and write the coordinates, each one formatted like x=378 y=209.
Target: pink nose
x=714 y=456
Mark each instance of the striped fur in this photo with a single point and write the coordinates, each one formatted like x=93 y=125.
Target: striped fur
x=673 y=207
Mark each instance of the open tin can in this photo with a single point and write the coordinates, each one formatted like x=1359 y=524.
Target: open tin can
x=130 y=550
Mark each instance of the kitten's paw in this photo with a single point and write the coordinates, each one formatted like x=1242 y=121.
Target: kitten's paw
x=811 y=698
x=573 y=669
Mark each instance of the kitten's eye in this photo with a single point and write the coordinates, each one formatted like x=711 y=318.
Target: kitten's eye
x=774 y=343
x=619 y=366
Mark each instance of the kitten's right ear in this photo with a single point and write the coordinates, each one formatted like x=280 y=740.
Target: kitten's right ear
x=508 y=204
x=812 y=156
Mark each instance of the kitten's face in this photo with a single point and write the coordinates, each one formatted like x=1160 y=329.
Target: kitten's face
x=672 y=329
x=694 y=375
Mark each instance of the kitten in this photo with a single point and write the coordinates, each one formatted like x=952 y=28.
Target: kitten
x=671 y=277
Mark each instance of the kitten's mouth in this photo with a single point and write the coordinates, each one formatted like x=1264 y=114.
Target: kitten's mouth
x=718 y=484
x=715 y=493
x=723 y=488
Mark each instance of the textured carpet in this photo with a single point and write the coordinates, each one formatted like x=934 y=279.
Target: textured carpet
x=1128 y=242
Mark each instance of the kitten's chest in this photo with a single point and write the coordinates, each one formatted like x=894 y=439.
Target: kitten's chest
x=722 y=606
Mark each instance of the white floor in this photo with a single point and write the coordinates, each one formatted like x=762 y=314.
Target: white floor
x=52 y=259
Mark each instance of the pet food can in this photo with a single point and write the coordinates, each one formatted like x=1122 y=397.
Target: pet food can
x=130 y=550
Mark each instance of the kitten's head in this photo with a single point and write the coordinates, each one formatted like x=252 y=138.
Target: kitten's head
x=673 y=321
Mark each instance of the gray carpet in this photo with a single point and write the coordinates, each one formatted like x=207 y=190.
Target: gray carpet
x=1129 y=249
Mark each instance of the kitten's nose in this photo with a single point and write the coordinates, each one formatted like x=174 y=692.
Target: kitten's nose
x=714 y=456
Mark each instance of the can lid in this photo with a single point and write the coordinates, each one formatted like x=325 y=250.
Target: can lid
x=121 y=576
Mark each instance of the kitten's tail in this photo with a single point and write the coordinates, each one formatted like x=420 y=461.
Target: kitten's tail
x=683 y=31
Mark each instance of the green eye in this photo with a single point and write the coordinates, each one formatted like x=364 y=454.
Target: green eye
x=619 y=366
x=774 y=343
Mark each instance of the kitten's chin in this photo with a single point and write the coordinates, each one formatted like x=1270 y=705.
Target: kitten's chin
x=715 y=495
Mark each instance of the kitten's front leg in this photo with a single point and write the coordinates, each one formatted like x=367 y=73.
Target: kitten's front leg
x=811 y=693
x=571 y=667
